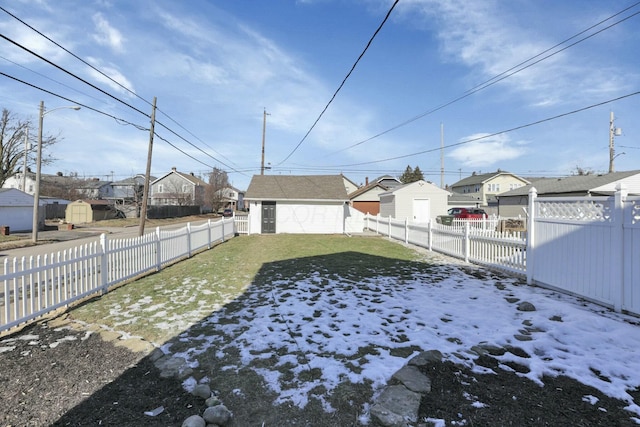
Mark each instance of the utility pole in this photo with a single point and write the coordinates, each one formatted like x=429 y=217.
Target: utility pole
x=147 y=177
x=613 y=132
x=264 y=129
x=24 y=169
x=441 y=155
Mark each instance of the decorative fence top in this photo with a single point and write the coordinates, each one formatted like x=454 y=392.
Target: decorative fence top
x=598 y=209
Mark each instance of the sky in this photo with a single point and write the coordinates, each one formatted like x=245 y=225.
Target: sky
x=491 y=81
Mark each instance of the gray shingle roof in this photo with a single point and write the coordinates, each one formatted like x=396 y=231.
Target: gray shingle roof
x=570 y=184
x=296 y=187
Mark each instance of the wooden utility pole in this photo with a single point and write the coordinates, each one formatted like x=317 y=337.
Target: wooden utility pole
x=264 y=129
x=24 y=169
x=147 y=176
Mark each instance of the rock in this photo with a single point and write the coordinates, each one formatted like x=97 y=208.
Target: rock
x=194 y=421
x=425 y=357
x=212 y=401
x=170 y=366
x=413 y=379
x=526 y=306
x=217 y=415
x=202 y=390
x=397 y=406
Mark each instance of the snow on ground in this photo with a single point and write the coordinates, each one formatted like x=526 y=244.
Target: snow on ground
x=352 y=330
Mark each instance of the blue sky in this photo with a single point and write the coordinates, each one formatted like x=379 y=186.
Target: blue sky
x=215 y=66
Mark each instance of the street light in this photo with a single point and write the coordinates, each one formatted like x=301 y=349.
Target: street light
x=36 y=191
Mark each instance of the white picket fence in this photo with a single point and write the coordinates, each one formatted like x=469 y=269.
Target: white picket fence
x=474 y=241
x=583 y=246
x=35 y=286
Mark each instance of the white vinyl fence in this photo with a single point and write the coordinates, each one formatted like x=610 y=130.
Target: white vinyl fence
x=584 y=246
x=35 y=286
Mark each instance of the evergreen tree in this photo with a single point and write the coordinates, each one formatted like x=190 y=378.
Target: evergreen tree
x=407 y=176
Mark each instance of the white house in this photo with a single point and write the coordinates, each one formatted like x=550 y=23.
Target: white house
x=16 y=210
x=417 y=201
x=177 y=188
x=297 y=204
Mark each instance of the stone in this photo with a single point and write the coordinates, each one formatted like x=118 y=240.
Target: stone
x=426 y=357
x=194 y=421
x=413 y=379
x=202 y=390
x=212 y=401
x=219 y=415
x=170 y=366
x=396 y=406
x=526 y=306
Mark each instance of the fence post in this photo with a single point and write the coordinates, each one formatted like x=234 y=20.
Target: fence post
x=617 y=254
x=377 y=223
x=389 y=227
x=158 y=250
x=104 y=274
x=222 y=228
x=188 y=240
x=466 y=241
x=531 y=236
x=406 y=231
x=430 y=234
x=209 y=233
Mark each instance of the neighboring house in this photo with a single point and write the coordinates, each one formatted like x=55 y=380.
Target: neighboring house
x=417 y=201
x=177 y=188
x=349 y=185
x=20 y=180
x=514 y=203
x=457 y=200
x=232 y=198
x=94 y=189
x=366 y=199
x=16 y=210
x=485 y=187
x=128 y=195
x=297 y=204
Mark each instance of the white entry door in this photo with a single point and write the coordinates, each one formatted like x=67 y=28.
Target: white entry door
x=421 y=210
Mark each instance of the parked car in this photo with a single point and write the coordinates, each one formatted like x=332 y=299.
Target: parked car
x=227 y=212
x=461 y=213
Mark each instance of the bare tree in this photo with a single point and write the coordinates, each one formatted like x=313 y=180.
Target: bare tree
x=13 y=131
x=214 y=193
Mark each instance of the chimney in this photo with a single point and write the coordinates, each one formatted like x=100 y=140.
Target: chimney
x=366 y=180
x=173 y=168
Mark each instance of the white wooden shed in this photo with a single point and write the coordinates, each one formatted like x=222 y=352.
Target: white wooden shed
x=308 y=204
x=16 y=210
x=417 y=201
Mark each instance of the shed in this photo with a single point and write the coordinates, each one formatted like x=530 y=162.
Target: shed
x=83 y=211
x=315 y=204
x=417 y=201
x=16 y=210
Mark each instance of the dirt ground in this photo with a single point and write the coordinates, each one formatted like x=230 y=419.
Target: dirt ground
x=63 y=377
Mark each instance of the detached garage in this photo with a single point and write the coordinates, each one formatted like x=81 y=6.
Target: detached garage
x=417 y=201
x=16 y=210
x=314 y=204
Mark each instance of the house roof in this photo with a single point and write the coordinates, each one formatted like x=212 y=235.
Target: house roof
x=420 y=182
x=296 y=187
x=366 y=188
x=572 y=184
x=187 y=176
x=482 y=178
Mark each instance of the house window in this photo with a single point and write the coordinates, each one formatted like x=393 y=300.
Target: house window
x=160 y=188
x=493 y=188
x=514 y=186
x=185 y=188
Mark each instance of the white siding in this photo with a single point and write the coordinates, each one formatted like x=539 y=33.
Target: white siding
x=399 y=203
x=316 y=218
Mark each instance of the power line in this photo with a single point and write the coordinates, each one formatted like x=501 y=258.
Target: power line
x=499 y=77
x=497 y=133
x=343 y=82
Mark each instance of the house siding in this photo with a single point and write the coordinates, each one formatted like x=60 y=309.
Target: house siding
x=399 y=203
x=300 y=218
x=16 y=210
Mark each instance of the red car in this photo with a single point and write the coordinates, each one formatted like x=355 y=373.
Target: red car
x=466 y=213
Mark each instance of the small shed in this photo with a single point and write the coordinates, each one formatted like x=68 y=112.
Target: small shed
x=307 y=204
x=83 y=211
x=16 y=210
x=417 y=201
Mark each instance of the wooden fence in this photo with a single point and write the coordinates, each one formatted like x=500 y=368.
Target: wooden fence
x=34 y=286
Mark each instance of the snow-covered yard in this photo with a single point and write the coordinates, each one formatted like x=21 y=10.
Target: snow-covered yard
x=365 y=330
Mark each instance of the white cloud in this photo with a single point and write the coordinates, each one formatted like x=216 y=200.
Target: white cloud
x=487 y=152
x=106 y=35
